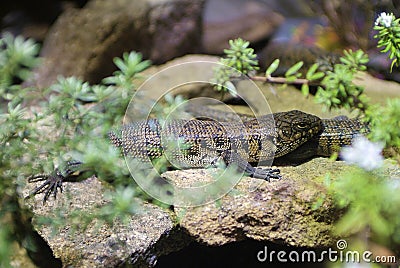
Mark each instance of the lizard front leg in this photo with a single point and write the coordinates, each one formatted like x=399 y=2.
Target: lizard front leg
x=263 y=173
x=53 y=182
x=255 y=172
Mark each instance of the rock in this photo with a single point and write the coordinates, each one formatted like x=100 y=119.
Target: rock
x=291 y=212
x=280 y=211
x=136 y=241
x=180 y=72
x=378 y=90
x=229 y=19
x=83 y=42
x=29 y=19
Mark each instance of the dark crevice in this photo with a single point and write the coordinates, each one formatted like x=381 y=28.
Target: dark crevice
x=37 y=249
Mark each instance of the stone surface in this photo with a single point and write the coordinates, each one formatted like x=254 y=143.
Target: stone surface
x=83 y=42
x=187 y=68
x=228 y=19
x=100 y=245
x=280 y=211
x=378 y=90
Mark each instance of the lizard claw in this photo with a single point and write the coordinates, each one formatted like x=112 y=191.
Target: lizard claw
x=258 y=173
x=266 y=174
x=51 y=184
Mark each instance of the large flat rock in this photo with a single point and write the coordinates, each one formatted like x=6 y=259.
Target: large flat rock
x=83 y=42
x=135 y=241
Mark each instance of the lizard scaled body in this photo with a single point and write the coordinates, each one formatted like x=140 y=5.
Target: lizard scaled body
x=205 y=141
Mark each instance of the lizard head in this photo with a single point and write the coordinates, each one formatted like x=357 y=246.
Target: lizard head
x=293 y=128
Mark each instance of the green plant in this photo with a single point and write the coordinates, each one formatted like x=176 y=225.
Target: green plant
x=5 y=246
x=368 y=194
x=69 y=124
x=388 y=36
x=240 y=56
x=240 y=59
x=385 y=123
x=17 y=57
x=338 y=90
x=129 y=68
x=367 y=191
x=18 y=134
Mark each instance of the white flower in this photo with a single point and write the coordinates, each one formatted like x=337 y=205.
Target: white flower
x=385 y=19
x=363 y=153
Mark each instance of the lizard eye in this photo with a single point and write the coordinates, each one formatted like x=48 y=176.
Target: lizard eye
x=301 y=125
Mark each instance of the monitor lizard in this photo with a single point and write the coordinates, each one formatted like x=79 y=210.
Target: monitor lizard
x=294 y=133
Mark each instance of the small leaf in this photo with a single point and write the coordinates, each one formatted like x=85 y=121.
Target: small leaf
x=387 y=48
x=305 y=89
x=316 y=76
x=292 y=70
x=272 y=68
x=391 y=66
x=120 y=64
x=228 y=51
x=345 y=61
x=311 y=71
